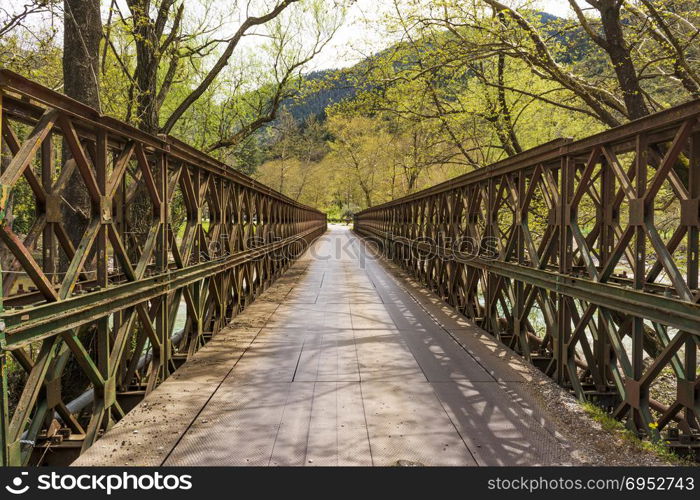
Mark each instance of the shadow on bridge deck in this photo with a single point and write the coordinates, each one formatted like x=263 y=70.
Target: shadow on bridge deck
x=340 y=363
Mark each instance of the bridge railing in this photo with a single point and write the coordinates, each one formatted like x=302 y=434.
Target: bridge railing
x=172 y=244
x=582 y=256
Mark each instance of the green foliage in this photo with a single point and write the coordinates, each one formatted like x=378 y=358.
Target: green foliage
x=617 y=430
x=22 y=207
x=34 y=55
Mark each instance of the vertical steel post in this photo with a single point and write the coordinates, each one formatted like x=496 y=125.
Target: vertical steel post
x=491 y=313
x=640 y=252
x=691 y=343
x=519 y=321
x=4 y=403
x=605 y=242
x=565 y=355
x=108 y=392
x=161 y=258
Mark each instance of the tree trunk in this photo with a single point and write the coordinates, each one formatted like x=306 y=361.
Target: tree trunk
x=368 y=197
x=147 y=63
x=147 y=118
x=504 y=110
x=82 y=32
x=620 y=56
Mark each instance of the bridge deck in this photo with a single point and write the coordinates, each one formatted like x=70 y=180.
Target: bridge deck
x=340 y=365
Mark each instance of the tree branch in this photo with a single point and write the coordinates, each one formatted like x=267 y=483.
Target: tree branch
x=222 y=62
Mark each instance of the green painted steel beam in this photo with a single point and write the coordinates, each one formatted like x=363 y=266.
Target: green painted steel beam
x=665 y=310
x=27 y=325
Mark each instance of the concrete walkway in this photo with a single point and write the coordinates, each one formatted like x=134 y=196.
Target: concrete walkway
x=339 y=363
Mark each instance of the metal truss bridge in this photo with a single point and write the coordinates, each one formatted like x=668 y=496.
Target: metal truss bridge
x=201 y=318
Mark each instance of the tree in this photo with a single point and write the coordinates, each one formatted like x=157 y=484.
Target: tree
x=362 y=149
x=168 y=44
x=294 y=40
x=613 y=42
x=675 y=35
x=82 y=33
x=419 y=147
x=286 y=147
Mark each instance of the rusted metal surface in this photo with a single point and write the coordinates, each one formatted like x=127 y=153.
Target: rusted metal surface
x=109 y=303
x=582 y=256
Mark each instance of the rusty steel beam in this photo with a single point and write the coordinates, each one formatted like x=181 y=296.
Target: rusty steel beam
x=100 y=303
x=580 y=255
